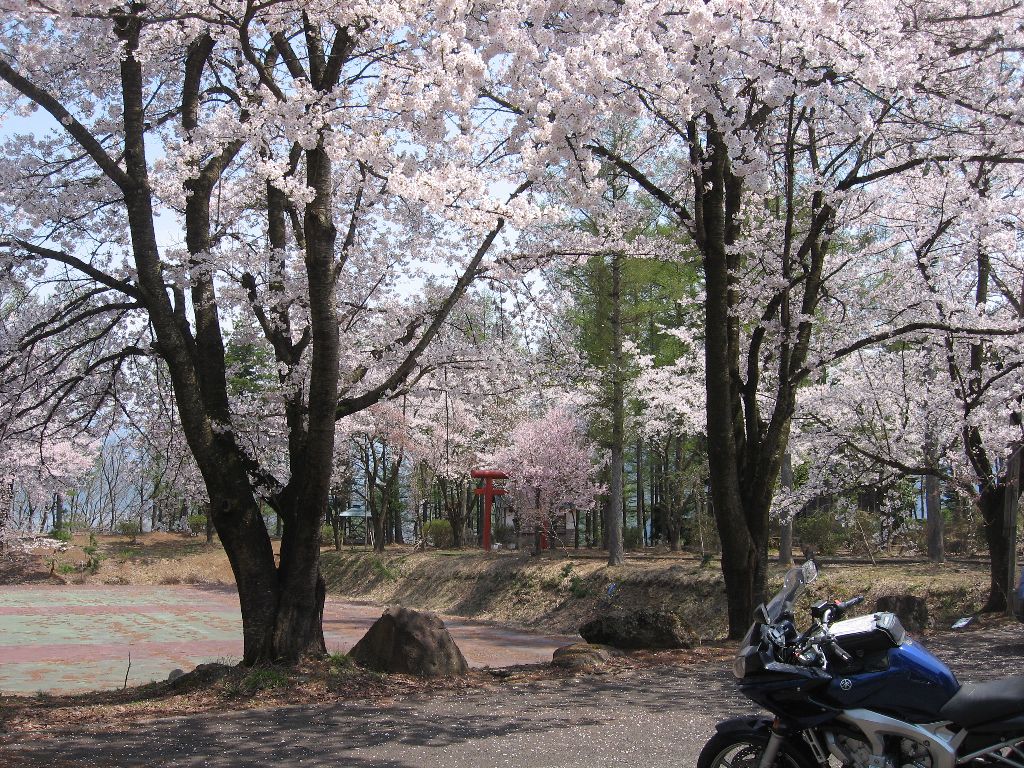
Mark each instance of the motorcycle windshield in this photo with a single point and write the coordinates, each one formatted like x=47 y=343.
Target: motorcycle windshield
x=793 y=585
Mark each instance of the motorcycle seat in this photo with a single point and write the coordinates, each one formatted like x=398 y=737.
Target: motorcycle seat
x=978 y=703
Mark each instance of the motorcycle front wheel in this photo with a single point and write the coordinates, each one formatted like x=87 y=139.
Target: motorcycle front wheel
x=744 y=750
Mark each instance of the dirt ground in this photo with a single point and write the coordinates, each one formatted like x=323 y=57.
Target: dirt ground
x=655 y=712
x=553 y=593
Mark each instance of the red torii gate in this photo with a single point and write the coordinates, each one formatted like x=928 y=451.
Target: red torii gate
x=488 y=492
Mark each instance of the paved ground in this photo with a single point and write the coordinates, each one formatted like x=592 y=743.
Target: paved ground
x=653 y=718
x=78 y=638
x=650 y=719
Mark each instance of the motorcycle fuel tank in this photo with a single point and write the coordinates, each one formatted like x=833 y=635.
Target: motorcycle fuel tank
x=890 y=673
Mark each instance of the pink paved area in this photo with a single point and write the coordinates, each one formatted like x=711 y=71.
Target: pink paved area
x=75 y=638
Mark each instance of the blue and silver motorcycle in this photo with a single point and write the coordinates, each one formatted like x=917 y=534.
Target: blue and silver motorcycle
x=859 y=693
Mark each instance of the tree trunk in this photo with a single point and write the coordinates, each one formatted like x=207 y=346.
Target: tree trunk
x=742 y=526
x=379 y=530
x=786 y=528
x=336 y=505
x=616 y=512
x=396 y=516
x=58 y=512
x=992 y=504
x=935 y=524
x=641 y=511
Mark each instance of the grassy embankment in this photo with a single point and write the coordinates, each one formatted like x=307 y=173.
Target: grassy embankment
x=555 y=593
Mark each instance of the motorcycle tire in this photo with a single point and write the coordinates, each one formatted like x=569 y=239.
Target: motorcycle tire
x=739 y=749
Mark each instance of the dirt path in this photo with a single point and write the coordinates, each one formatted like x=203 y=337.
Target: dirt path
x=655 y=718
x=74 y=638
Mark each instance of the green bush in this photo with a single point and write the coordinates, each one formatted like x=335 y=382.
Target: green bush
x=578 y=586
x=340 y=662
x=632 y=539
x=128 y=528
x=92 y=552
x=259 y=679
x=821 y=530
x=438 y=533
x=61 y=534
x=503 y=534
x=197 y=523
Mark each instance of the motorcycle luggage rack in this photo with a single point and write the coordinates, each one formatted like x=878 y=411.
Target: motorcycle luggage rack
x=1015 y=759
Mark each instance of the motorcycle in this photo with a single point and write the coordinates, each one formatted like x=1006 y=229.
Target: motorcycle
x=859 y=693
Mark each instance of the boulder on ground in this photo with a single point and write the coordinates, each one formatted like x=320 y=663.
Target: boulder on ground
x=582 y=656
x=911 y=610
x=200 y=677
x=635 y=630
x=410 y=642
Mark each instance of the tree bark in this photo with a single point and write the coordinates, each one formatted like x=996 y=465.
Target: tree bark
x=641 y=510
x=786 y=528
x=616 y=554
x=992 y=504
x=934 y=526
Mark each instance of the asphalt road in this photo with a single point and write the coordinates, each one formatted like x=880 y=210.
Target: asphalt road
x=650 y=718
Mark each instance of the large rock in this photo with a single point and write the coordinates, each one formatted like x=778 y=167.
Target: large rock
x=911 y=610
x=412 y=643
x=582 y=656
x=640 y=629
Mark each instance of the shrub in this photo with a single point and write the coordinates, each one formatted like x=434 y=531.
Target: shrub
x=258 y=679
x=340 y=662
x=92 y=552
x=197 y=523
x=438 y=533
x=821 y=530
x=61 y=534
x=381 y=569
x=503 y=534
x=632 y=539
x=128 y=528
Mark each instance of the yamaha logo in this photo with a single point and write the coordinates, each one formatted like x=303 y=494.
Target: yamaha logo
x=846 y=683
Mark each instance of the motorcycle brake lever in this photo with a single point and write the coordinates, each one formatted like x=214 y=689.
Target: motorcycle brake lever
x=839 y=651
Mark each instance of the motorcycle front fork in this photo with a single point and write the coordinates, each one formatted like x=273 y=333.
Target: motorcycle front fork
x=778 y=736
x=771 y=750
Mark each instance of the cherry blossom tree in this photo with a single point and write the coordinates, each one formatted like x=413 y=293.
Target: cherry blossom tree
x=307 y=159
x=767 y=133
x=551 y=465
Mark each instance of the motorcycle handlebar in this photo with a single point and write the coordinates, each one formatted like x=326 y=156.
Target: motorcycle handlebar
x=848 y=604
x=837 y=649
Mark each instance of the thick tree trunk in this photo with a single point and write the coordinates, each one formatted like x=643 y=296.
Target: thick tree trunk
x=379 y=531
x=742 y=523
x=992 y=504
x=786 y=528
